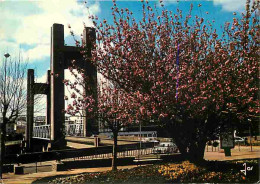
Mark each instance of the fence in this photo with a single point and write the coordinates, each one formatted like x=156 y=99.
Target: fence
x=121 y=154
x=42 y=131
x=87 y=153
x=74 y=130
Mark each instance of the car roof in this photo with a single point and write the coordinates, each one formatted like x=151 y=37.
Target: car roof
x=166 y=142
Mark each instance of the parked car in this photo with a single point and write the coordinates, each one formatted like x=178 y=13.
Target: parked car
x=239 y=140
x=210 y=142
x=150 y=139
x=166 y=147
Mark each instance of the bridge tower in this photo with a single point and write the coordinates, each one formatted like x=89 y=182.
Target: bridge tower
x=61 y=57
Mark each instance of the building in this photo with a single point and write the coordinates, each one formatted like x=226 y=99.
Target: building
x=39 y=120
x=10 y=127
x=74 y=125
x=21 y=125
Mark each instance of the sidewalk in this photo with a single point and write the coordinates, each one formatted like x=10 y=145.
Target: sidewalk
x=244 y=153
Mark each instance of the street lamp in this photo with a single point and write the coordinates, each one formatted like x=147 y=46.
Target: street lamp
x=7 y=55
x=250 y=133
x=2 y=125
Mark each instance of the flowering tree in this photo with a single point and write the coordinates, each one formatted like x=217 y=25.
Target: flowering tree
x=180 y=71
x=115 y=108
x=218 y=80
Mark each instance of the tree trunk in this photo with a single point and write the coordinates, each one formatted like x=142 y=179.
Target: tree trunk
x=189 y=140
x=181 y=137
x=181 y=144
x=114 y=159
x=196 y=150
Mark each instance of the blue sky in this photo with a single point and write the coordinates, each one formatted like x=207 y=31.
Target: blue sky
x=25 y=24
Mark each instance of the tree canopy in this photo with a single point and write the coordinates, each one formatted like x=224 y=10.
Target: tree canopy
x=180 y=72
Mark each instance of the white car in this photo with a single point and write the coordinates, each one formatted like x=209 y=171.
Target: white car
x=150 y=139
x=239 y=139
x=166 y=147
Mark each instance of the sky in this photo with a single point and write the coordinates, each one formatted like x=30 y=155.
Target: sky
x=25 y=24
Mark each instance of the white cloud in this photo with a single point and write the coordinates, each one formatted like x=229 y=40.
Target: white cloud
x=29 y=22
x=38 y=52
x=42 y=79
x=36 y=28
x=8 y=47
x=231 y=5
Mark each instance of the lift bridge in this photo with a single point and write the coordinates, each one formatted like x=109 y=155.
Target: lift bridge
x=61 y=56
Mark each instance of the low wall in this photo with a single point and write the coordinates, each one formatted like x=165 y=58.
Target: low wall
x=8 y=168
x=66 y=165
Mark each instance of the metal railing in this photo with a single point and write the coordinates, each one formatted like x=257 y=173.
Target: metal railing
x=42 y=131
x=81 y=154
x=74 y=129
x=121 y=154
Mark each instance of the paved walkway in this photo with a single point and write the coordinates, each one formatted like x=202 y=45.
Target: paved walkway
x=243 y=153
x=78 y=145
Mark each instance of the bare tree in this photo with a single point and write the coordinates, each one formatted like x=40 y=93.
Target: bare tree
x=12 y=94
x=13 y=101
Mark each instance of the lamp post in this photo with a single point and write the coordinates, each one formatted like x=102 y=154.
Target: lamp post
x=140 y=131
x=2 y=126
x=250 y=133
x=6 y=55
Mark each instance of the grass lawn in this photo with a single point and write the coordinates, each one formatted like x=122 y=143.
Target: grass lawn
x=209 y=172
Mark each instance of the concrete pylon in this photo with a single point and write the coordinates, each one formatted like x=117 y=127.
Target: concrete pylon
x=57 y=87
x=48 y=103
x=61 y=57
x=90 y=125
x=30 y=108
x=33 y=88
